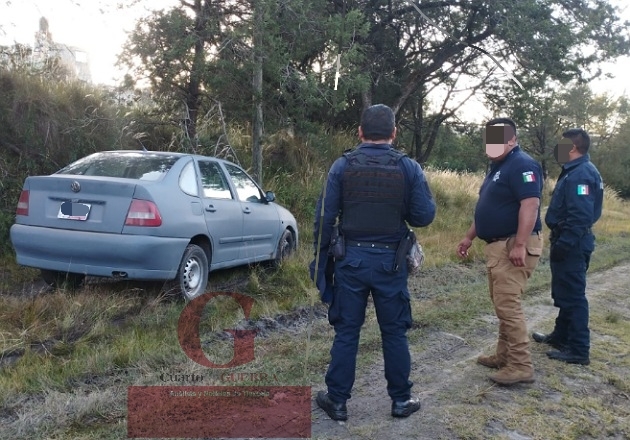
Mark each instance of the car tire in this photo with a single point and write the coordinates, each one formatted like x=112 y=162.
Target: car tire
x=62 y=279
x=286 y=248
x=192 y=275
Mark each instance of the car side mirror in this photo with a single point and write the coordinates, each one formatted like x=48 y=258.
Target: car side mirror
x=270 y=196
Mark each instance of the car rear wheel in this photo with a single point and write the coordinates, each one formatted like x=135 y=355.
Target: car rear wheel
x=286 y=247
x=192 y=276
x=62 y=279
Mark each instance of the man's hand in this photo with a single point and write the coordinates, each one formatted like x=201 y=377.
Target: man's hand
x=463 y=246
x=517 y=255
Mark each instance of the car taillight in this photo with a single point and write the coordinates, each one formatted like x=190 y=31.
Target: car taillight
x=143 y=213
x=22 y=206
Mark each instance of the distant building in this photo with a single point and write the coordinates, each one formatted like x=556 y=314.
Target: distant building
x=70 y=61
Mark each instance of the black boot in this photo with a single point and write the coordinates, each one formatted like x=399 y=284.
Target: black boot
x=336 y=411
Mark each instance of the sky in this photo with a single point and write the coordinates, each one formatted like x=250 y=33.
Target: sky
x=100 y=27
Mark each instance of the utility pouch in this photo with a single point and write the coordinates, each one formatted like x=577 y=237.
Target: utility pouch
x=337 y=246
x=415 y=257
x=404 y=246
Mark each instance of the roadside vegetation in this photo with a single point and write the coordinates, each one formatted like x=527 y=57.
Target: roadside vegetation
x=66 y=357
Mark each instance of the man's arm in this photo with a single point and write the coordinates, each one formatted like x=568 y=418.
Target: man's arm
x=331 y=199
x=527 y=215
x=464 y=245
x=421 y=206
x=579 y=197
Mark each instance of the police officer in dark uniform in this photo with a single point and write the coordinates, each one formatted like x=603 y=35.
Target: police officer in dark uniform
x=373 y=192
x=576 y=204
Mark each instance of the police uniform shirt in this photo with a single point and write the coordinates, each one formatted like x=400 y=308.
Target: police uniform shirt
x=576 y=203
x=515 y=178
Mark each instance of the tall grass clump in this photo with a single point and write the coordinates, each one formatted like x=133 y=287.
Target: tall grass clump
x=44 y=125
x=455 y=197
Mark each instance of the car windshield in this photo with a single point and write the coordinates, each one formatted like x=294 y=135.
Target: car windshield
x=129 y=165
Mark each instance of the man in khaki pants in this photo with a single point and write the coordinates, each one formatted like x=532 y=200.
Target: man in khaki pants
x=507 y=218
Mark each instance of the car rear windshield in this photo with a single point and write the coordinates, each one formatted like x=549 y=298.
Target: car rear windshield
x=129 y=165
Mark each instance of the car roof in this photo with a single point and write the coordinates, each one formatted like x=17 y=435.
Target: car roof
x=168 y=153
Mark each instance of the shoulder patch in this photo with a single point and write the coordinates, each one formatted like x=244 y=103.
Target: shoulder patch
x=582 y=190
x=529 y=176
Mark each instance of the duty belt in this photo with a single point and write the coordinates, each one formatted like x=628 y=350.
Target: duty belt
x=492 y=240
x=371 y=245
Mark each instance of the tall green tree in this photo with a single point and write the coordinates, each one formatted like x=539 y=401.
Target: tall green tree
x=170 y=50
x=411 y=47
x=403 y=54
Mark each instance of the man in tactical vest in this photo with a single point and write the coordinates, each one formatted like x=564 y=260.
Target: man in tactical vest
x=373 y=192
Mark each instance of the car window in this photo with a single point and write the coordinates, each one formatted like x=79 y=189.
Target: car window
x=188 y=180
x=126 y=164
x=213 y=181
x=245 y=186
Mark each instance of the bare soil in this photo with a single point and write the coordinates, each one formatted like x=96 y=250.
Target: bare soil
x=451 y=385
x=453 y=388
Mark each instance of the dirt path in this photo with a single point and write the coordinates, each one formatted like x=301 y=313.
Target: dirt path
x=452 y=387
x=458 y=401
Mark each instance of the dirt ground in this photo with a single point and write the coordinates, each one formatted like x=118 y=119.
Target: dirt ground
x=453 y=389
x=450 y=384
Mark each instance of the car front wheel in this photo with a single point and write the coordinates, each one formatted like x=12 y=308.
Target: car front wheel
x=192 y=276
x=286 y=247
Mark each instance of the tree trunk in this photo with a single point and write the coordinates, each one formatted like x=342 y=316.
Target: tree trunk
x=257 y=82
x=418 y=120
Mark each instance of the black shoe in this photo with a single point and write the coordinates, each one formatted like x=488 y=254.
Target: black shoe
x=336 y=411
x=568 y=357
x=406 y=408
x=548 y=339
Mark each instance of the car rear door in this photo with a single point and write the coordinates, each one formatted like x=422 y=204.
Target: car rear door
x=223 y=214
x=261 y=222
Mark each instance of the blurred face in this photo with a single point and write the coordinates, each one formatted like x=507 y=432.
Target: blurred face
x=562 y=150
x=499 y=140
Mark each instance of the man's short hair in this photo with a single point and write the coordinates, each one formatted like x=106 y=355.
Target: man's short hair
x=378 y=122
x=580 y=139
x=503 y=121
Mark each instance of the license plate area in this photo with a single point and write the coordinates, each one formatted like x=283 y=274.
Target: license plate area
x=74 y=211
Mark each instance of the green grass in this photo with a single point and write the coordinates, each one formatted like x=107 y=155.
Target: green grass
x=85 y=347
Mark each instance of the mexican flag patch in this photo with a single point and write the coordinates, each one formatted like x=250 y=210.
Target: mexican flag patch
x=582 y=190
x=528 y=176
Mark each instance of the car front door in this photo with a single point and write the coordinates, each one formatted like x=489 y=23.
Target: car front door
x=223 y=214
x=261 y=223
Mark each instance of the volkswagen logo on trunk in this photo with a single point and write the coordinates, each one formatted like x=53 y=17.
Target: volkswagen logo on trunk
x=75 y=186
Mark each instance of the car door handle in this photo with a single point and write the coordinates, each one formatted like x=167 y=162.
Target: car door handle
x=211 y=208
x=246 y=210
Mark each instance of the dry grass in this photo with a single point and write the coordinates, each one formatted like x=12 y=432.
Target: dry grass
x=72 y=353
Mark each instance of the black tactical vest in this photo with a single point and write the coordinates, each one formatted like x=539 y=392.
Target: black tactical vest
x=373 y=193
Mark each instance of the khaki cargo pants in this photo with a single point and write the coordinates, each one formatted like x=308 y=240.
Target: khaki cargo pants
x=506 y=283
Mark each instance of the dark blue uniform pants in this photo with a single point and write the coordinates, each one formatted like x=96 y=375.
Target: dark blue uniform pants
x=568 y=290
x=361 y=272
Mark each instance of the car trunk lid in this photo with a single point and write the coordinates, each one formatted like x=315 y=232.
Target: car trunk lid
x=78 y=202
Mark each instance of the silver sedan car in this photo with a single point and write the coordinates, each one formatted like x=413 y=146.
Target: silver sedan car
x=148 y=216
